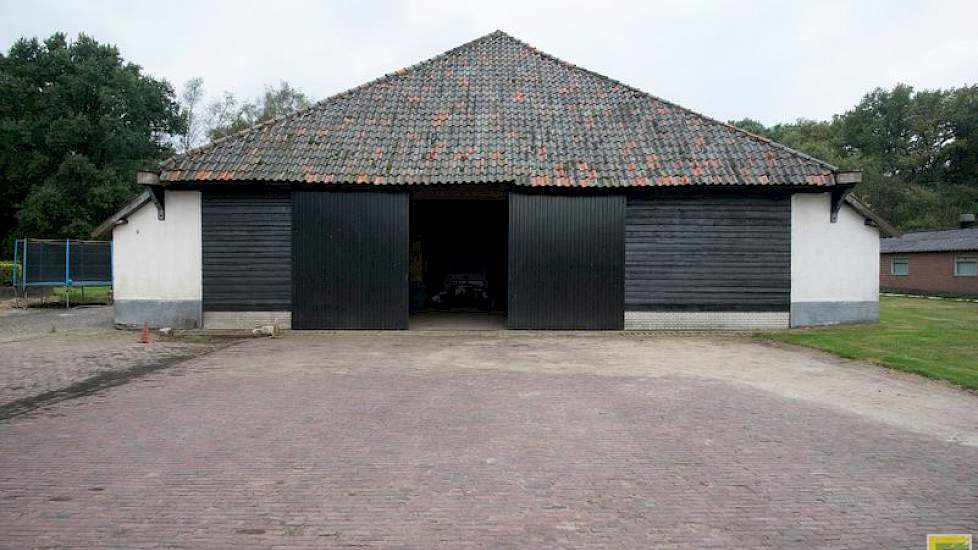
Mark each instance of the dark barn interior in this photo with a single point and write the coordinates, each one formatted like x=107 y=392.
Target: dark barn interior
x=457 y=262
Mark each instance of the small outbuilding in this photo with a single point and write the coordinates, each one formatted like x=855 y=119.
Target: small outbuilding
x=940 y=263
x=496 y=178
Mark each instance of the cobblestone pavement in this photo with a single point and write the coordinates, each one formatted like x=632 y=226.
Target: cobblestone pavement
x=496 y=441
x=48 y=351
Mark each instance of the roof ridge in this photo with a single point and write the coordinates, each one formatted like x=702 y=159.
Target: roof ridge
x=707 y=118
x=326 y=100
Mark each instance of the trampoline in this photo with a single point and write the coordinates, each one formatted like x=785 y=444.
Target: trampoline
x=66 y=263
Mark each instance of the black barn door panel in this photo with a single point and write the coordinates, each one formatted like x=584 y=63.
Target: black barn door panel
x=566 y=261
x=350 y=260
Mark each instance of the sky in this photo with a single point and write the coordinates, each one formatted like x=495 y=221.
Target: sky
x=767 y=60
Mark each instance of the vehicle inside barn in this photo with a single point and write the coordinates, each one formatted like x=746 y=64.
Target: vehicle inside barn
x=457 y=266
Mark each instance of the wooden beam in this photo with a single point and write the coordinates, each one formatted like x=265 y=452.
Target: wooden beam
x=850 y=177
x=838 y=198
x=872 y=218
x=145 y=177
x=157 y=195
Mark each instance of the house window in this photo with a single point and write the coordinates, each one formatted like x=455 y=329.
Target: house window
x=900 y=266
x=966 y=266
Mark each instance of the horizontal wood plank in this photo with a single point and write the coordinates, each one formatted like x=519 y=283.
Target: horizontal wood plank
x=708 y=254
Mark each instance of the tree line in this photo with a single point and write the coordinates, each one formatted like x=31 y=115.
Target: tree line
x=77 y=120
x=918 y=151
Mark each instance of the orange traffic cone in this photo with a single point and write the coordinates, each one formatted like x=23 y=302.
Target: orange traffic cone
x=147 y=339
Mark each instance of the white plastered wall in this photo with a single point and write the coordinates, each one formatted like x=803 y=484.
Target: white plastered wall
x=159 y=260
x=831 y=263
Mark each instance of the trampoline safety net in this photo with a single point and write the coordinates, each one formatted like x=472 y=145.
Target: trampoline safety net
x=50 y=262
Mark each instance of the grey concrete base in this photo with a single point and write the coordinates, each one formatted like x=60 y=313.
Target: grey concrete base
x=804 y=314
x=158 y=313
x=238 y=320
x=705 y=320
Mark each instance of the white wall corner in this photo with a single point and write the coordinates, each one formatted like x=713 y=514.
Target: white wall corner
x=156 y=259
x=831 y=263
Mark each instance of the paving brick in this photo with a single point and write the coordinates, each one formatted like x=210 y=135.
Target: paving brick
x=50 y=349
x=462 y=441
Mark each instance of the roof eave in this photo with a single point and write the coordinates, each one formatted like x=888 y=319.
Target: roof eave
x=848 y=177
x=885 y=228
x=120 y=216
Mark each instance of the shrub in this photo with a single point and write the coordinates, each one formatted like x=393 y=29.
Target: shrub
x=6 y=270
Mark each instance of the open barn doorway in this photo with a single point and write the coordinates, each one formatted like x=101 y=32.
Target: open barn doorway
x=457 y=268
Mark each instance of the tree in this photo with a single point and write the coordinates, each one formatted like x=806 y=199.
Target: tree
x=228 y=116
x=191 y=106
x=76 y=120
x=918 y=151
x=820 y=139
x=749 y=125
x=222 y=114
x=960 y=154
x=919 y=148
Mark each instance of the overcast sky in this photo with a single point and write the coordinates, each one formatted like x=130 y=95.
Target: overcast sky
x=772 y=61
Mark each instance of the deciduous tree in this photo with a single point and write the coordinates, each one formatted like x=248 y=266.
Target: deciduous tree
x=230 y=116
x=76 y=121
x=918 y=151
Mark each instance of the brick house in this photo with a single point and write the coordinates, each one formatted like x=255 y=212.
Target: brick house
x=932 y=262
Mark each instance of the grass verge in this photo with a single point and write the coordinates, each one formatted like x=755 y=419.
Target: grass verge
x=931 y=337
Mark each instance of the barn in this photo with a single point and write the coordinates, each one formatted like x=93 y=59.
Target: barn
x=496 y=179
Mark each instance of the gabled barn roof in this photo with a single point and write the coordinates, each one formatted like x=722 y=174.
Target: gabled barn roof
x=498 y=110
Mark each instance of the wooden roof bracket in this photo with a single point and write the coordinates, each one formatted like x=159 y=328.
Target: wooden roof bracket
x=151 y=181
x=157 y=195
x=838 y=199
x=844 y=182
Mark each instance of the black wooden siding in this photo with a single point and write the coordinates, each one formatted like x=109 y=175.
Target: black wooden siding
x=703 y=253
x=566 y=258
x=247 y=250
x=350 y=259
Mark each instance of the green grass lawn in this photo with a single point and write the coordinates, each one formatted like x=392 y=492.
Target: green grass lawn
x=935 y=338
x=98 y=294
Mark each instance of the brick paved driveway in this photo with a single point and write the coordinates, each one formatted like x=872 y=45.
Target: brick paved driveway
x=501 y=441
x=49 y=354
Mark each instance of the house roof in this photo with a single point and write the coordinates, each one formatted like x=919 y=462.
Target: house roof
x=498 y=110
x=932 y=241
